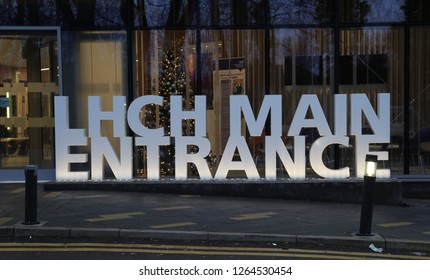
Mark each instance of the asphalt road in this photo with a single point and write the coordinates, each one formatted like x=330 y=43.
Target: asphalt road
x=149 y=211
x=110 y=249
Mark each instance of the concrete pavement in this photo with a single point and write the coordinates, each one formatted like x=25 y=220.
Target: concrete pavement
x=120 y=214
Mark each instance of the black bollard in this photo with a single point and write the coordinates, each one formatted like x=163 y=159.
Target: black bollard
x=367 y=198
x=30 y=195
x=367 y=207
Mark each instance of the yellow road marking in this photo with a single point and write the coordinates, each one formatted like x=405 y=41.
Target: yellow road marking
x=18 y=190
x=180 y=252
x=4 y=220
x=172 y=225
x=173 y=208
x=53 y=194
x=399 y=224
x=254 y=216
x=119 y=216
x=91 y=196
x=210 y=250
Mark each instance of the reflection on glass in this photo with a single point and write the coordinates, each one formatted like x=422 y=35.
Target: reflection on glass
x=95 y=64
x=420 y=10
x=164 y=13
x=105 y=13
x=371 y=62
x=419 y=93
x=29 y=80
x=301 y=12
x=165 y=66
x=231 y=65
x=232 y=13
x=300 y=63
x=353 y=11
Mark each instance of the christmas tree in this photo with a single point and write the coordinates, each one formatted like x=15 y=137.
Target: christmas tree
x=173 y=81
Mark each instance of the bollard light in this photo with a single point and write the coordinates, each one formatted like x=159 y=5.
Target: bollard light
x=367 y=197
x=371 y=165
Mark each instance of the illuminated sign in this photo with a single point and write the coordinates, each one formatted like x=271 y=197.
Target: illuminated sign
x=344 y=126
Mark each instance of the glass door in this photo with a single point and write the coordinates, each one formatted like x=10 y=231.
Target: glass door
x=29 y=79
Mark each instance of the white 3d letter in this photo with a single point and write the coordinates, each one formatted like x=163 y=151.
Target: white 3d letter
x=246 y=162
x=153 y=153
x=134 y=116
x=198 y=115
x=182 y=157
x=271 y=103
x=379 y=123
x=316 y=157
x=309 y=101
x=296 y=169
x=64 y=138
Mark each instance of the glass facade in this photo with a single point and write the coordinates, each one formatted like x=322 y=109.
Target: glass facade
x=300 y=63
x=371 y=60
x=95 y=65
x=29 y=80
x=419 y=90
x=216 y=49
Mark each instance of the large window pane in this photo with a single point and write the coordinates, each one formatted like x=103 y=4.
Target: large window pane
x=88 y=13
x=43 y=12
x=301 y=63
x=371 y=62
x=232 y=12
x=364 y=11
x=29 y=81
x=95 y=65
x=301 y=12
x=420 y=10
x=419 y=100
x=169 y=13
x=103 y=13
x=232 y=64
x=165 y=66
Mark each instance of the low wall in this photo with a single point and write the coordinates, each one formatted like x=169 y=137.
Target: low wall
x=347 y=191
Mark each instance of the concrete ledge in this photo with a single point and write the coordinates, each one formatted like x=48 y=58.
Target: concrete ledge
x=348 y=190
x=354 y=241
x=100 y=233
x=416 y=189
x=6 y=231
x=393 y=243
x=25 y=231
x=163 y=234
x=95 y=232
x=251 y=237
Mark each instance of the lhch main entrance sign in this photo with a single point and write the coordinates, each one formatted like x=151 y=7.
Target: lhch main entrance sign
x=294 y=162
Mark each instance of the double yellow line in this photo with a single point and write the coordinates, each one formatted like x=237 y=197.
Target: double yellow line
x=201 y=250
